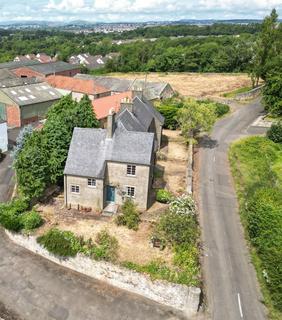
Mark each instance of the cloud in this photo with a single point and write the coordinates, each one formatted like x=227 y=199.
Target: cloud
x=65 y=4
x=135 y=10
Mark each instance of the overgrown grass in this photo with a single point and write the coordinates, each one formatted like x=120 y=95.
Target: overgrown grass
x=257 y=165
x=233 y=93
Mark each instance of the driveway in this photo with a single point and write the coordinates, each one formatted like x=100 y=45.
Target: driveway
x=6 y=178
x=37 y=289
x=231 y=283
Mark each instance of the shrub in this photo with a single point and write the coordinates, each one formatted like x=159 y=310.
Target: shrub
x=31 y=220
x=220 y=109
x=130 y=216
x=61 y=243
x=164 y=196
x=10 y=220
x=275 y=132
x=10 y=214
x=107 y=248
x=183 y=204
x=177 y=229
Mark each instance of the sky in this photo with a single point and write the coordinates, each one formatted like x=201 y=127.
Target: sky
x=134 y=10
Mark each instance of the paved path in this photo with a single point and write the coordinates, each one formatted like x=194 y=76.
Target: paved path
x=38 y=289
x=232 y=288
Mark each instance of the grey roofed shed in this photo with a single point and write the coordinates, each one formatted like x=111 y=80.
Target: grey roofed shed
x=90 y=149
x=151 y=90
x=53 y=67
x=32 y=93
x=18 y=64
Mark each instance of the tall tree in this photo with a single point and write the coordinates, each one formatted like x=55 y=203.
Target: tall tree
x=266 y=47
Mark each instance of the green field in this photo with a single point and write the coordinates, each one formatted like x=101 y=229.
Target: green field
x=257 y=170
x=232 y=94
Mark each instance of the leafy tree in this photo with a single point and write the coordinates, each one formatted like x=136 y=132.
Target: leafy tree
x=266 y=47
x=32 y=166
x=194 y=118
x=272 y=95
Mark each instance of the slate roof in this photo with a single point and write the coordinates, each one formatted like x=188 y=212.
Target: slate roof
x=141 y=116
x=18 y=64
x=52 y=67
x=32 y=94
x=90 y=150
x=128 y=121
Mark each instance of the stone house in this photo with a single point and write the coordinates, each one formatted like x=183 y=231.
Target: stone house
x=106 y=166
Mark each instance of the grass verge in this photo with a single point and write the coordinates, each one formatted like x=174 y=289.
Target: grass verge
x=256 y=164
x=233 y=93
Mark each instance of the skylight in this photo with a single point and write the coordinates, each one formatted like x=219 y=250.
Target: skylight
x=23 y=98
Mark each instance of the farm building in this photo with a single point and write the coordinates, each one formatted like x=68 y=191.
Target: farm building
x=151 y=90
x=43 y=70
x=77 y=87
x=24 y=104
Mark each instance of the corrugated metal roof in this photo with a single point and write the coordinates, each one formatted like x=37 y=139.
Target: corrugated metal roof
x=53 y=67
x=32 y=94
x=18 y=64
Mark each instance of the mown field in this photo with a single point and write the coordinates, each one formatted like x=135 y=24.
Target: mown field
x=196 y=84
x=257 y=169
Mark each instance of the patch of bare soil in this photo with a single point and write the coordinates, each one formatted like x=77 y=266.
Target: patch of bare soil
x=198 y=85
x=134 y=246
x=174 y=162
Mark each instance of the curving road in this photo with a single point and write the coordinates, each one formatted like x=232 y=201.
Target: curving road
x=37 y=289
x=231 y=284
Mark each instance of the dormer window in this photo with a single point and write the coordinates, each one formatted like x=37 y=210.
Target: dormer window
x=131 y=170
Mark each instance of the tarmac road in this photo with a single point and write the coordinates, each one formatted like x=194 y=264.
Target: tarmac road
x=231 y=283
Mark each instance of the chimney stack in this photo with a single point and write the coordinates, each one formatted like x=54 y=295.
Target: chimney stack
x=137 y=92
x=126 y=103
x=111 y=123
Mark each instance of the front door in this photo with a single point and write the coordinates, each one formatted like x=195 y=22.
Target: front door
x=111 y=193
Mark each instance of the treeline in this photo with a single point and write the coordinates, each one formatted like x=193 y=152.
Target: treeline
x=211 y=54
x=190 y=30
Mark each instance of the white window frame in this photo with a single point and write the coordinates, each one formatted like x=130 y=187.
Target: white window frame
x=127 y=189
x=130 y=167
x=75 y=188
x=91 y=185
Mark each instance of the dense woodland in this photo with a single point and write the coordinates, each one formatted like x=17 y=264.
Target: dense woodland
x=216 y=48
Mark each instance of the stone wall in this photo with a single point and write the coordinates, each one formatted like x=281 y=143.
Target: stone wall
x=177 y=296
x=250 y=94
